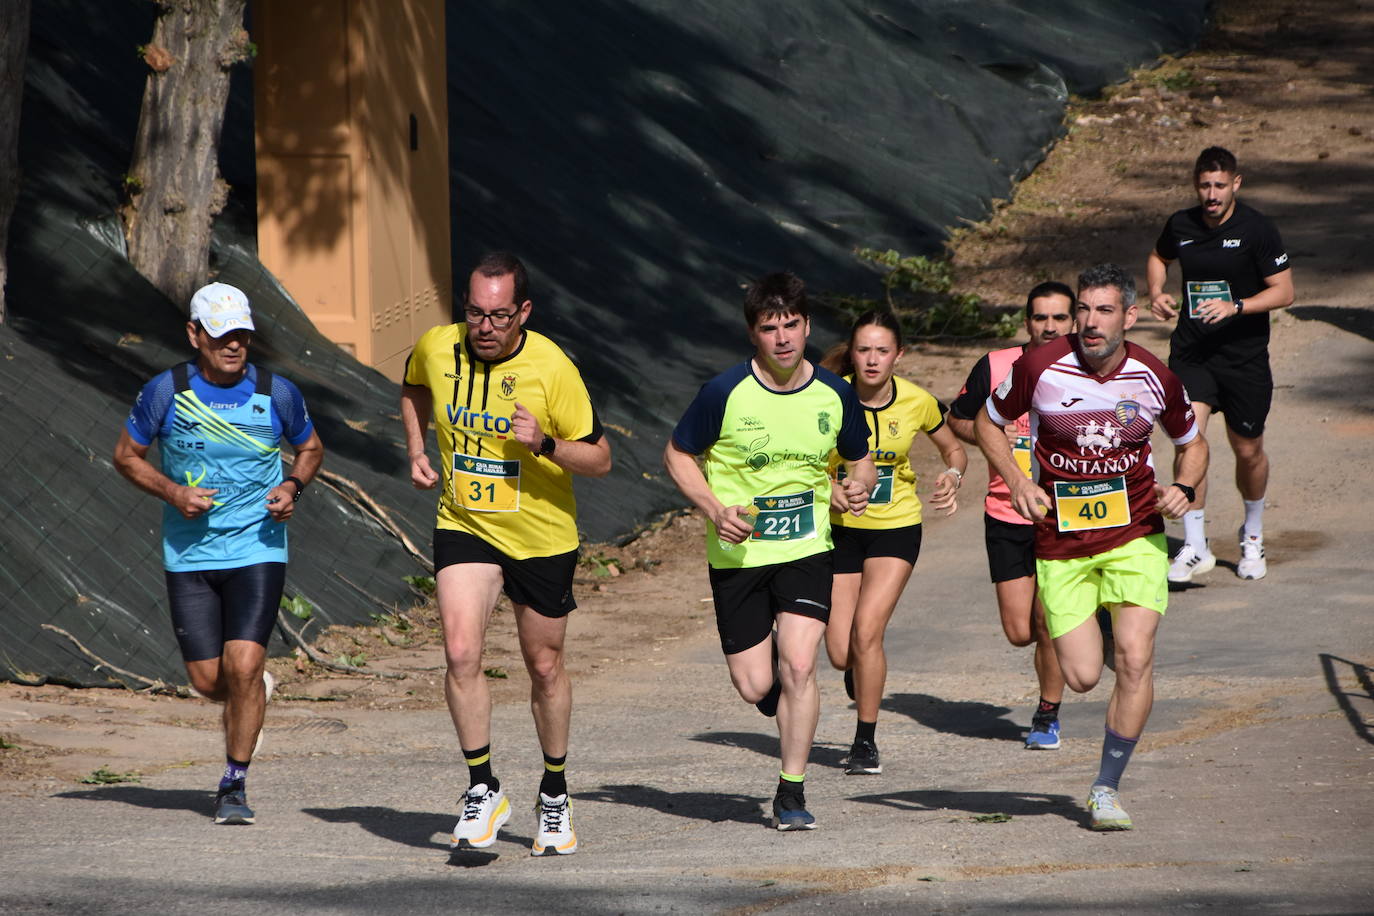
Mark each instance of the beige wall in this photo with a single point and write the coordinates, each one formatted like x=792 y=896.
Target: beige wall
x=352 y=217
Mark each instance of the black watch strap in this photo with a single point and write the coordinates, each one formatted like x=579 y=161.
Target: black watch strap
x=300 y=487
x=546 y=446
x=1187 y=490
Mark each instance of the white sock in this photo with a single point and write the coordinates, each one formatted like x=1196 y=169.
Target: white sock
x=1254 y=517
x=1194 y=533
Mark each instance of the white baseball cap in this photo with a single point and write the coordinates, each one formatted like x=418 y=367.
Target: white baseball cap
x=221 y=308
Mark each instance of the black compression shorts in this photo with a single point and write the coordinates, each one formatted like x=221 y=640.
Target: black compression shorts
x=213 y=606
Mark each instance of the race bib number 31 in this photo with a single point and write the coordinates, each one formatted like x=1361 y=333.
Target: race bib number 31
x=784 y=518
x=1092 y=504
x=1199 y=291
x=486 y=484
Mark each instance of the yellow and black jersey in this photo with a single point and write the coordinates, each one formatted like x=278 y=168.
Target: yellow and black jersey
x=493 y=486
x=892 y=430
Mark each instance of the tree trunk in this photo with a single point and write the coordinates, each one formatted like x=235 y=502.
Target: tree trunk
x=14 y=47
x=174 y=188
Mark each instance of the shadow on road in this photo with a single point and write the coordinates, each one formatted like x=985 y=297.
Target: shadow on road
x=824 y=755
x=1354 y=320
x=1333 y=667
x=198 y=800
x=980 y=804
x=409 y=828
x=704 y=806
x=969 y=718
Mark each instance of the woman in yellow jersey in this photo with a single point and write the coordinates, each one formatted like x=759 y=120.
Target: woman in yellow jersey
x=876 y=552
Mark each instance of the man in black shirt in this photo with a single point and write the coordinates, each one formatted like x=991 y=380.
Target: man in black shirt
x=1235 y=271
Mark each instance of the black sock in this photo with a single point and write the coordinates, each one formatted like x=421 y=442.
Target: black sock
x=1047 y=710
x=479 y=768
x=864 y=731
x=555 y=781
x=790 y=785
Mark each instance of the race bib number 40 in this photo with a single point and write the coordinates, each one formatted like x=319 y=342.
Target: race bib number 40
x=784 y=518
x=1087 y=505
x=486 y=484
x=1199 y=291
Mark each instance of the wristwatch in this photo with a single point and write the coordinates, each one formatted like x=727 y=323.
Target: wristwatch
x=546 y=446
x=1240 y=306
x=1187 y=490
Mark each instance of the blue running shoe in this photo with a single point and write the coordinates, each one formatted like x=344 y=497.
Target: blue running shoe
x=231 y=806
x=1044 y=735
x=789 y=812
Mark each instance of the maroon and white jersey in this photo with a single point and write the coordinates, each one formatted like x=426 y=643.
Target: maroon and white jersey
x=1091 y=438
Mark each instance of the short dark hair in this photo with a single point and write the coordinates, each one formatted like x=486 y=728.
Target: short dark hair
x=504 y=264
x=1114 y=275
x=1215 y=159
x=775 y=294
x=1048 y=288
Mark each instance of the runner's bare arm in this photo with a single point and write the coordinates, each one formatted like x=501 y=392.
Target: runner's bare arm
x=589 y=459
x=962 y=429
x=733 y=523
x=416 y=404
x=1190 y=467
x=1162 y=305
x=945 y=496
x=281 y=501
x=1026 y=497
x=131 y=460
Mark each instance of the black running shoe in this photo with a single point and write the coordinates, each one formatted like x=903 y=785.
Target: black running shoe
x=789 y=812
x=231 y=806
x=849 y=682
x=863 y=760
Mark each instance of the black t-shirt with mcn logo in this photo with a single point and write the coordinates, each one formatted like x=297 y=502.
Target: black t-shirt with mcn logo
x=1242 y=251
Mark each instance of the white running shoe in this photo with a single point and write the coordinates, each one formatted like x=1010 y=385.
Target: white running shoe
x=1252 y=564
x=555 y=833
x=1188 y=563
x=1104 y=804
x=269 y=683
x=484 y=812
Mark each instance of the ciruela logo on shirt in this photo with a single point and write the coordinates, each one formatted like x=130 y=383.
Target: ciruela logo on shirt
x=758 y=458
x=823 y=423
x=1126 y=411
x=508 y=385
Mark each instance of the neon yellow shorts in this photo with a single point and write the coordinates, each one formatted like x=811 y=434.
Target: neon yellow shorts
x=1136 y=573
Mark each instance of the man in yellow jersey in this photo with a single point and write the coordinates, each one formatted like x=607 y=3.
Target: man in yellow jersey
x=514 y=423
x=764 y=431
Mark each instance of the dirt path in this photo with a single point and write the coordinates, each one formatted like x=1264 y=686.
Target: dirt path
x=1253 y=784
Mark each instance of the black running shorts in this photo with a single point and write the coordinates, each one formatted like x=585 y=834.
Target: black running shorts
x=854 y=545
x=1243 y=392
x=541 y=583
x=748 y=599
x=212 y=606
x=1011 y=549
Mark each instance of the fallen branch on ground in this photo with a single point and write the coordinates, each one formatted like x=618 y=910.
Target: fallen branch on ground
x=295 y=637
x=152 y=683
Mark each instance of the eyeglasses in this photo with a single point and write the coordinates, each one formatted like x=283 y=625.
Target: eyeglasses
x=499 y=320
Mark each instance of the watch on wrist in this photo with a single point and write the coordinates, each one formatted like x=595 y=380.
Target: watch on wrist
x=546 y=446
x=1240 y=306
x=1187 y=490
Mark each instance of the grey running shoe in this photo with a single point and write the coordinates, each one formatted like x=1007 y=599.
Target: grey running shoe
x=1104 y=804
x=789 y=812
x=863 y=760
x=231 y=807
x=1252 y=564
